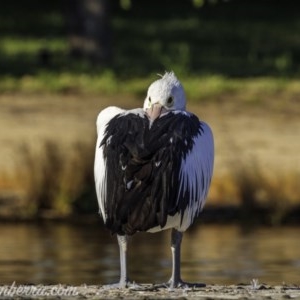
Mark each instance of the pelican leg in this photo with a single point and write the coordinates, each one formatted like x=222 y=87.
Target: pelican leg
x=176 y=281
x=176 y=238
x=123 y=283
x=122 y=241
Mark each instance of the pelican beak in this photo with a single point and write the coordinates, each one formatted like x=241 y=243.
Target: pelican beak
x=155 y=111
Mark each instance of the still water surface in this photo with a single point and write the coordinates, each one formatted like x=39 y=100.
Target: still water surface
x=61 y=253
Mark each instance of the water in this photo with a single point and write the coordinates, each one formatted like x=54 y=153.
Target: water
x=61 y=253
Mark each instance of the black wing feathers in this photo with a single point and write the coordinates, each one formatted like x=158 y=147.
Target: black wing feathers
x=143 y=166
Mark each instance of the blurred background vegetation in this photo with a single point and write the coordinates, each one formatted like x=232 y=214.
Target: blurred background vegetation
x=63 y=45
x=239 y=48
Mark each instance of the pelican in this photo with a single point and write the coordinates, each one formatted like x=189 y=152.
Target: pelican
x=153 y=168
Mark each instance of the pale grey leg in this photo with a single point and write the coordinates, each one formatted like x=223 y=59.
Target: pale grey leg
x=176 y=281
x=176 y=238
x=122 y=241
x=123 y=283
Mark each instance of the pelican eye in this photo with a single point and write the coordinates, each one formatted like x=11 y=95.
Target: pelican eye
x=170 y=101
x=149 y=99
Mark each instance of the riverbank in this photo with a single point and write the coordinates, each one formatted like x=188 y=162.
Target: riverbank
x=147 y=291
x=48 y=143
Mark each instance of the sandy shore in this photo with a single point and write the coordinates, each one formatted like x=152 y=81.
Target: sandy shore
x=147 y=291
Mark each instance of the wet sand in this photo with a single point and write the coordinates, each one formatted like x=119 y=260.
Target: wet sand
x=148 y=291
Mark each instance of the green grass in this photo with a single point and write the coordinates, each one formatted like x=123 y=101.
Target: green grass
x=14 y=46
x=214 y=88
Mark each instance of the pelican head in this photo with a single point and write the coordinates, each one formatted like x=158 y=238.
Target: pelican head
x=164 y=95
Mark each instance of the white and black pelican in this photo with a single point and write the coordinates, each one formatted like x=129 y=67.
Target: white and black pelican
x=153 y=168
